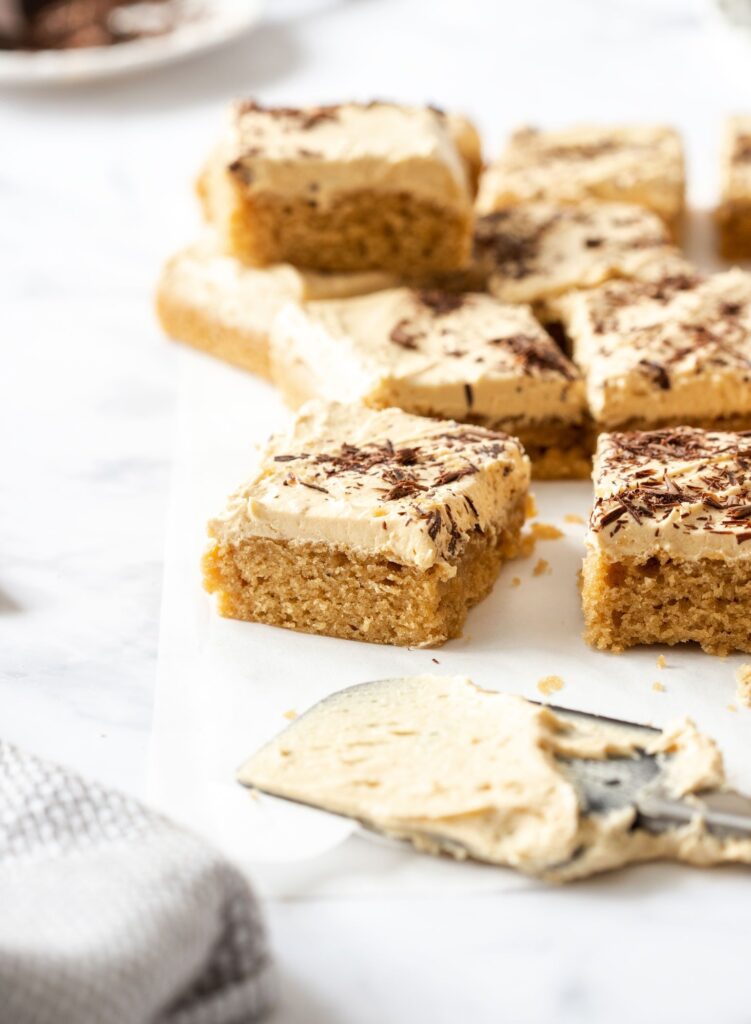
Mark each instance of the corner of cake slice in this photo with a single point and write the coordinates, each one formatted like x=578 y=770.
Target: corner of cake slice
x=465 y=356
x=670 y=349
x=668 y=555
x=369 y=525
x=733 y=214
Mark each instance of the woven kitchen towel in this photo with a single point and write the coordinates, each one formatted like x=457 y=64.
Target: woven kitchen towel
x=109 y=914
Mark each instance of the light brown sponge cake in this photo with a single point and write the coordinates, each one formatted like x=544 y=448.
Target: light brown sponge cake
x=346 y=187
x=672 y=350
x=733 y=215
x=462 y=356
x=669 y=544
x=225 y=308
x=369 y=525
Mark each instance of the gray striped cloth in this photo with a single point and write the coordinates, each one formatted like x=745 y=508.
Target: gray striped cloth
x=109 y=914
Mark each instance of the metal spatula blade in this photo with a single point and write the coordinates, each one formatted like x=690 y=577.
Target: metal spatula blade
x=607 y=784
x=612 y=783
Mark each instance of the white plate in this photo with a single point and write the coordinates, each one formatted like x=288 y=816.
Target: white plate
x=208 y=24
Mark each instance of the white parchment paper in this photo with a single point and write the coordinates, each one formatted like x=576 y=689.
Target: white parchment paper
x=224 y=687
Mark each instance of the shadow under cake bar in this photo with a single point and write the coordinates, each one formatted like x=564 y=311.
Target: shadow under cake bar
x=369 y=525
x=668 y=351
x=639 y=163
x=733 y=214
x=535 y=251
x=348 y=187
x=669 y=543
x=226 y=308
x=463 y=356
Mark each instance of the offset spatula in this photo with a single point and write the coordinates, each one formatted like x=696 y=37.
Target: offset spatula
x=605 y=785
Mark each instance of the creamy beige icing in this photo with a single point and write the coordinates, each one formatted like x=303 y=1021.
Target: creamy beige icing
x=533 y=251
x=381 y=483
x=677 y=347
x=248 y=298
x=634 y=163
x=457 y=769
x=320 y=152
x=682 y=492
x=434 y=353
x=736 y=161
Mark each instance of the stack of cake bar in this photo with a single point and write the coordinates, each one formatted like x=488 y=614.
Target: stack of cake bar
x=446 y=330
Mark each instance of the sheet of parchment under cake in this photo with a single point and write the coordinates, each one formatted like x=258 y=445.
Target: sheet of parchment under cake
x=226 y=687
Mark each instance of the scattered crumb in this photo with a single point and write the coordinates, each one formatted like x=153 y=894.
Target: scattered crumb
x=516 y=581
x=661 y=661
x=546 y=531
x=531 y=508
x=527 y=543
x=550 y=684
x=732 y=707
x=542 y=568
x=435 y=661
x=743 y=691
x=253 y=794
x=291 y=715
x=658 y=687
x=572 y=517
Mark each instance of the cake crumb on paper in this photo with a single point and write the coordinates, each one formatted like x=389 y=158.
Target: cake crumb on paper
x=531 y=508
x=743 y=690
x=661 y=661
x=732 y=707
x=546 y=531
x=658 y=687
x=516 y=581
x=572 y=517
x=550 y=684
x=290 y=715
x=541 y=568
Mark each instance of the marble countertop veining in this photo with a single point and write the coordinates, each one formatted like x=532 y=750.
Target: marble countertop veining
x=95 y=189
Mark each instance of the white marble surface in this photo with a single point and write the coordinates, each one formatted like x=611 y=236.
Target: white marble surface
x=94 y=190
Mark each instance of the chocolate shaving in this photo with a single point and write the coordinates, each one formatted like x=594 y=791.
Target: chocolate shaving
x=440 y=303
x=658 y=373
x=450 y=476
x=401 y=336
x=313 y=487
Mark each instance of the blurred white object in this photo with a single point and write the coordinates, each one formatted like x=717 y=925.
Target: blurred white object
x=201 y=25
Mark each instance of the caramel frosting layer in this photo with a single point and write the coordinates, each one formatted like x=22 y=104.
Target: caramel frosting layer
x=380 y=483
x=465 y=355
x=639 y=163
x=682 y=492
x=674 y=348
x=533 y=251
x=321 y=152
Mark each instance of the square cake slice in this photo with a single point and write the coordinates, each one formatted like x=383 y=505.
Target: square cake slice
x=369 y=525
x=345 y=188
x=734 y=211
x=668 y=351
x=637 y=163
x=669 y=543
x=535 y=251
x=223 y=307
x=463 y=356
